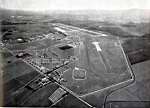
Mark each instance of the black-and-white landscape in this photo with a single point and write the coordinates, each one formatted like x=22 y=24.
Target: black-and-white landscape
x=75 y=58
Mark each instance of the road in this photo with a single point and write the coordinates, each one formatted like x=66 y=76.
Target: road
x=38 y=69
x=98 y=61
x=100 y=56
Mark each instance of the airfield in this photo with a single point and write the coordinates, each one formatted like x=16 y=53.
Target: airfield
x=82 y=62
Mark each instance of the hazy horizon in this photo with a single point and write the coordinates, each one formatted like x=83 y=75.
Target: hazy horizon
x=48 y=5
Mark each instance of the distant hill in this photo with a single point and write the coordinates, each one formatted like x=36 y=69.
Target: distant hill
x=116 y=16
x=133 y=22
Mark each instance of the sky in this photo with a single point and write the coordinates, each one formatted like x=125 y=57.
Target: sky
x=42 y=5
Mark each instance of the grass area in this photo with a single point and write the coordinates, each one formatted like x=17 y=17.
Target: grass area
x=29 y=26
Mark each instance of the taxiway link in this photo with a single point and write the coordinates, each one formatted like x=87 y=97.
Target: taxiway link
x=99 y=49
x=96 y=44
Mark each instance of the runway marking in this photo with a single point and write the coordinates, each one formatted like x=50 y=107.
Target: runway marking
x=99 y=49
x=114 y=85
x=103 y=59
x=97 y=46
x=106 y=87
x=59 y=29
x=104 y=35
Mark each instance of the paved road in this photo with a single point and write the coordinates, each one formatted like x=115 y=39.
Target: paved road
x=105 y=62
x=97 y=59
